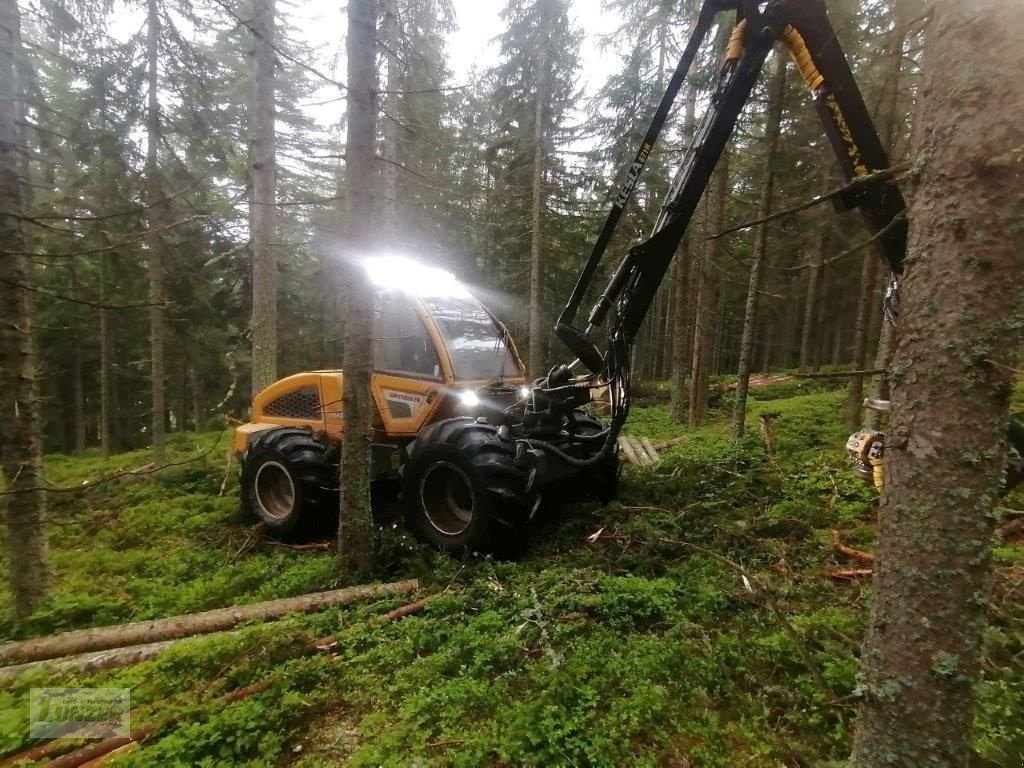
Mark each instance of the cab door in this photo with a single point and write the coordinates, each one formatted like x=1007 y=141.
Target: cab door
x=407 y=379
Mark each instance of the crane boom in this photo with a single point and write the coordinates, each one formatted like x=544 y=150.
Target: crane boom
x=804 y=28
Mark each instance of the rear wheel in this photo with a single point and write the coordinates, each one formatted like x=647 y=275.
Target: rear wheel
x=462 y=490
x=289 y=482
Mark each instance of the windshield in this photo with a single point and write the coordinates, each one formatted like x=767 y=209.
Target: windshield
x=474 y=340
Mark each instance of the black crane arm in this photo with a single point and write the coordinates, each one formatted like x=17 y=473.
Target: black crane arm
x=804 y=27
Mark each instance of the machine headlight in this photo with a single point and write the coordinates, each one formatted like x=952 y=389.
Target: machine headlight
x=524 y=392
x=469 y=399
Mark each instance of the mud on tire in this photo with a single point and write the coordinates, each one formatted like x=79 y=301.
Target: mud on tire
x=289 y=482
x=462 y=491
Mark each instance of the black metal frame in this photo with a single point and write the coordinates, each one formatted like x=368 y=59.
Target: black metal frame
x=848 y=126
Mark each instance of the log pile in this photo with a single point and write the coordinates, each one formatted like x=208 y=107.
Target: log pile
x=641 y=451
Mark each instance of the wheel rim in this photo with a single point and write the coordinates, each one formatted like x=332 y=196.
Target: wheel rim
x=447 y=498
x=275 y=491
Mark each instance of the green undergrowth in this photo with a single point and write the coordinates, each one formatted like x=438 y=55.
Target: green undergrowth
x=693 y=623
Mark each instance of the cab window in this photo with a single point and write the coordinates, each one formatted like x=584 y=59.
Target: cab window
x=400 y=340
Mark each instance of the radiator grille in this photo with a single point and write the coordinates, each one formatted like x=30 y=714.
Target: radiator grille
x=300 y=404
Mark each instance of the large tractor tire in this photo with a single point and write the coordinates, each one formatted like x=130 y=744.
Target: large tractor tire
x=289 y=482
x=462 y=491
x=601 y=481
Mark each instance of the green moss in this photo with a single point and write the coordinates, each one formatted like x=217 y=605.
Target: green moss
x=644 y=647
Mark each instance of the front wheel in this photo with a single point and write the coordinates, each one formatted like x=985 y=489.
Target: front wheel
x=462 y=491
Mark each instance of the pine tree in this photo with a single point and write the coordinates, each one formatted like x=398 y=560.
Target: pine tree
x=262 y=211
x=961 y=321
x=776 y=95
x=20 y=447
x=355 y=532
x=533 y=88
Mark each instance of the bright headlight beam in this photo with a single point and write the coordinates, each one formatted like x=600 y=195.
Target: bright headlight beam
x=403 y=274
x=524 y=392
x=469 y=399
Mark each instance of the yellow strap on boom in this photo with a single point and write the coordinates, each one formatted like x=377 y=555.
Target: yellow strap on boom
x=734 y=50
x=802 y=56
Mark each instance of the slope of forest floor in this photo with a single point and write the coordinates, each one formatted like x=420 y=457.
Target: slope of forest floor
x=694 y=623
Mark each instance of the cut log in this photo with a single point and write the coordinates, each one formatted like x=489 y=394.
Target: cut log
x=651 y=451
x=627 y=450
x=641 y=453
x=141 y=632
x=91 y=662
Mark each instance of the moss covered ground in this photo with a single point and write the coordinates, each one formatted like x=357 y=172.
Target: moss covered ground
x=701 y=627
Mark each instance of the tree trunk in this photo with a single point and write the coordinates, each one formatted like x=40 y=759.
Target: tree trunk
x=204 y=623
x=855 y=387
x=810 y=327
x=961 y=325
x=776 y=98
x=158 y=255
x=707 y=296
x=262 y=205
x=20 y=451
x=106 y=361
x=389 y=169
x=355 y=531
x=538 y=332
x=77 y=384
x=196 y=396
x=889 y=112
x=681 y=330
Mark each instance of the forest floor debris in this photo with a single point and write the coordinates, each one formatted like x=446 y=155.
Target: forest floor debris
x=604 y=645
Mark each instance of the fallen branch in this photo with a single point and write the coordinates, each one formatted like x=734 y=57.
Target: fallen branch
x=102 y=751
x=856 y=554
x=851 y=574
x=146 y=469
x=137 y=633
x=326 y=643
x=840 y=374
x=315 y=546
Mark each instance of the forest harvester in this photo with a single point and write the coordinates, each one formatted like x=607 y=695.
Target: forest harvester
x=472 y=444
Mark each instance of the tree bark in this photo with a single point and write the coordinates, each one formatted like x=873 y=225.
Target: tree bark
x=810 y=328
x=106 y=361
x=961 y=323
x=262 y=205
x=389 y=170
x=355 y=530
x=707 y=296
x=78 y=385
x=538 y=331
x=681 y=287
x=855 y=388
x=158 y=254
x=20 y=449
x=776 y=99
